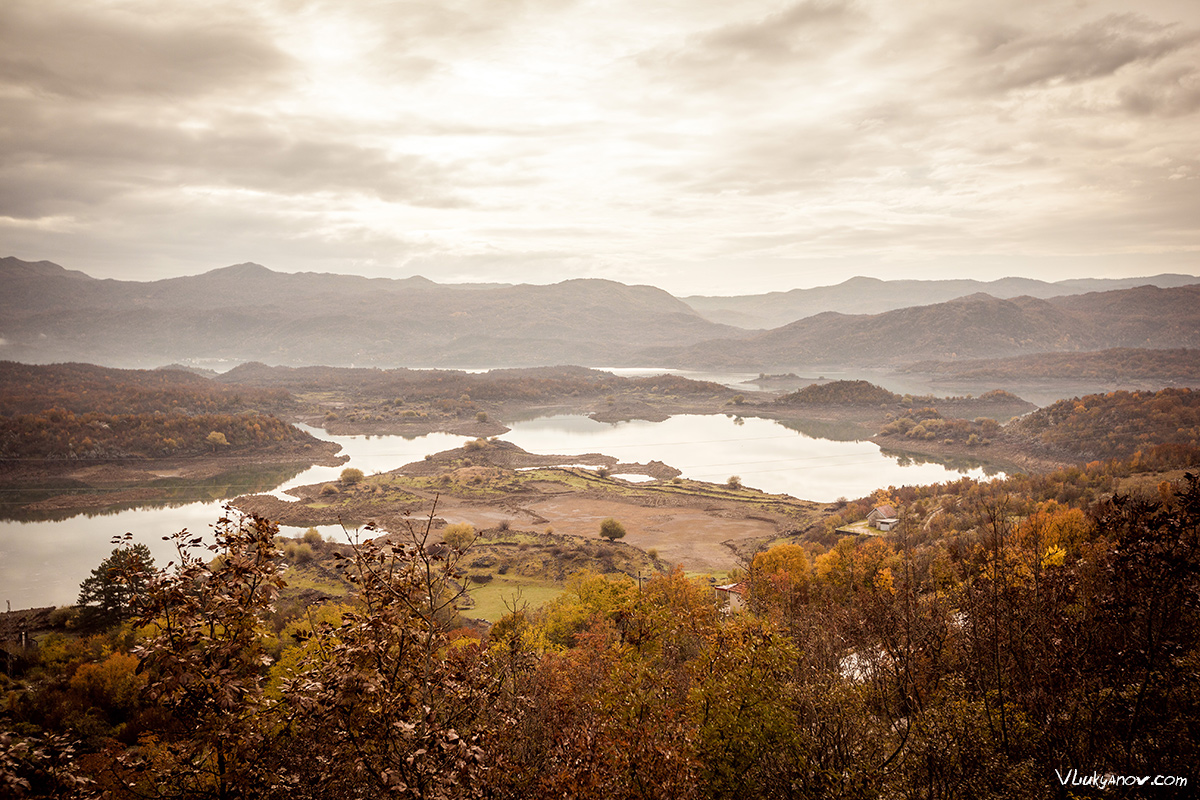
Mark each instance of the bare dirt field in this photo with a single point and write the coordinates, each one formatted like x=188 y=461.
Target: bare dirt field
x=691 y=537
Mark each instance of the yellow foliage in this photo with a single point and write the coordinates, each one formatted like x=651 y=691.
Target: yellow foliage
x=1054 y=557
x=588 y=595
x=111 y=683
x=780 y=574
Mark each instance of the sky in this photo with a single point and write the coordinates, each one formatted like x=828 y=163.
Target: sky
x=703 y=146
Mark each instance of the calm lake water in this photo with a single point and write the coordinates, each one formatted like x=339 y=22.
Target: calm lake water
x=42 y=563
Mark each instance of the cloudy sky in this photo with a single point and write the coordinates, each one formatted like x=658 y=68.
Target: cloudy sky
x=704 y=146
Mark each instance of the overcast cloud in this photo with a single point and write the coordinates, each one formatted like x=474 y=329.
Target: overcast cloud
x=706 y=147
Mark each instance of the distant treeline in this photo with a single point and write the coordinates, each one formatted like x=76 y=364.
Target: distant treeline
x=864 y=393
x=61 y=434
x=82 y=388
x=499 y=385
x=82 y=411
x=1113 y=425
x=1118 y=364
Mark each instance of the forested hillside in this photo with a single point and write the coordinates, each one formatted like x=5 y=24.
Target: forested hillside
x=84 y=412
x=1115 y=366
x=1112 y=425
x=1115 y=424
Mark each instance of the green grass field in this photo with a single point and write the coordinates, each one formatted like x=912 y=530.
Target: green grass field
x=490 y=598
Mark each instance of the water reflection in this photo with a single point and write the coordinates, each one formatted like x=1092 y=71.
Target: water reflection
x=766 y=454
x=169 y=493
x=961 y=464
x=828 y=429
x=43 y=562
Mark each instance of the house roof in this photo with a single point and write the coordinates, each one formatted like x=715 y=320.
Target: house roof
x=887 y=511
x=735 y=588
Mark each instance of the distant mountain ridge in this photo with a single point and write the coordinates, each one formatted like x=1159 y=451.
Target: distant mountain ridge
x=247 y=312
x=862 y=295
x=977 y=326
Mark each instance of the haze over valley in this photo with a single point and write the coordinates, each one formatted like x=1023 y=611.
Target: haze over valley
x=250 y=313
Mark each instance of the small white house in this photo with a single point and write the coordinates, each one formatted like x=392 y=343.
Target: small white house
x=731 y=596
x=883 y=517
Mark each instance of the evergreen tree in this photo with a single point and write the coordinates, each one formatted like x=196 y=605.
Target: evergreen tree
x=109 y=593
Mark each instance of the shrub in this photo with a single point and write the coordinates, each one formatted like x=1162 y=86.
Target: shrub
x=734 y=482
x=351 y=475
x=612 y=530
x=481 y=416
x=313 y=536
x=460 y=536
x=298 y=552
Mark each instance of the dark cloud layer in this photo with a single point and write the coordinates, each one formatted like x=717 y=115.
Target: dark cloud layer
x=76 y=50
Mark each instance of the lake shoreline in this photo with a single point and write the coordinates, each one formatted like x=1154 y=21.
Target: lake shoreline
x=64 y=486
x=93 y=486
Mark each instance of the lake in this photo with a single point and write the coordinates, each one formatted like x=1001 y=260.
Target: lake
x=42 y=563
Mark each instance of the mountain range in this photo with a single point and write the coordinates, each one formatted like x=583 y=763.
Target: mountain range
x=976 y=326
x=247 y=312
x=862 y=295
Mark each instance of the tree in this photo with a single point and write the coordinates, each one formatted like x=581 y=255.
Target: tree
x=734 y=482
x=612 y=530
x=114 y=587
x=205 y=624
x=216 y=439
x=779 y=577
x=351 y=475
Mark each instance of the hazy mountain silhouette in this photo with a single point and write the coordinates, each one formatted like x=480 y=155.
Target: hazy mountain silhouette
x=977 y=326
x=247 y=312
x=874 y=296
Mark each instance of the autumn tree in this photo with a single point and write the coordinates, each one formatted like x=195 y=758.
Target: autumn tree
x=203 y=655
x=780 y=577
x=382 y=704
